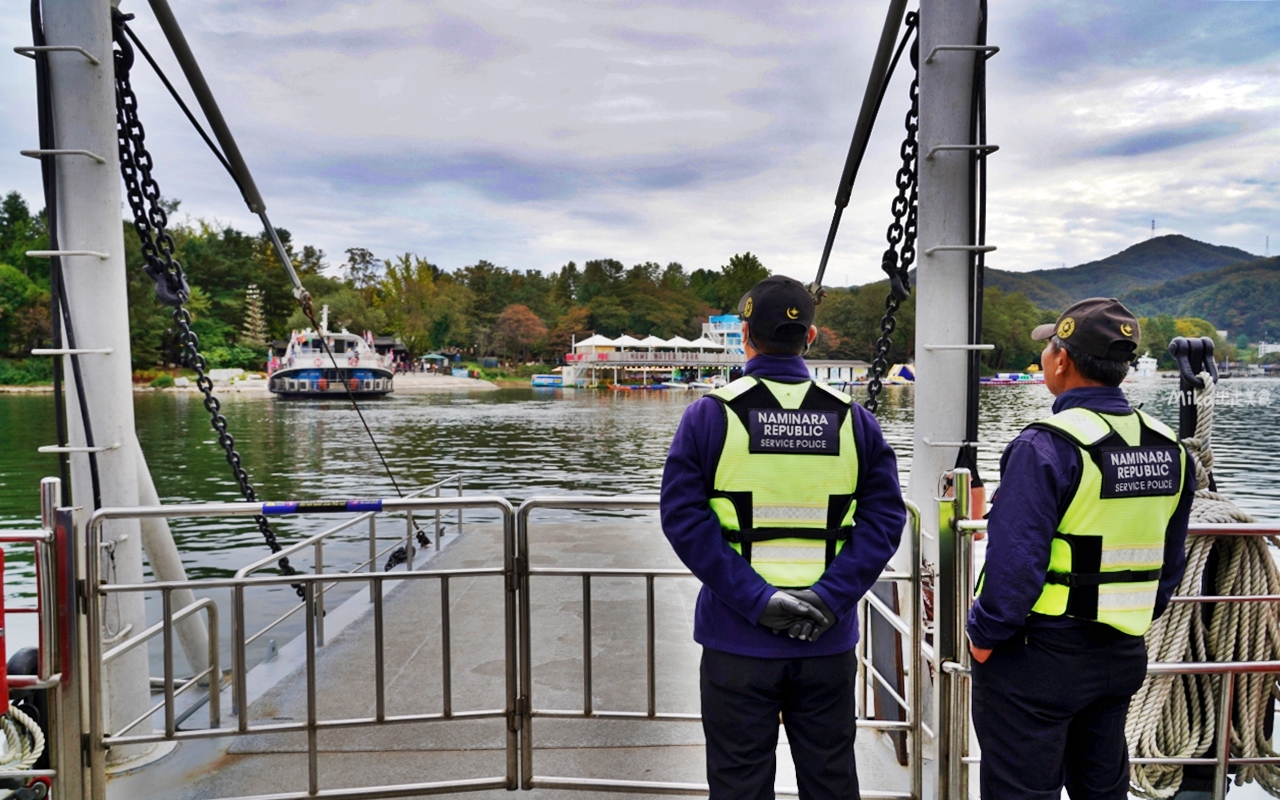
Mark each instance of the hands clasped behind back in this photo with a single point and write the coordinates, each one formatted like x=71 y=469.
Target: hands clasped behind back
x=799 y=613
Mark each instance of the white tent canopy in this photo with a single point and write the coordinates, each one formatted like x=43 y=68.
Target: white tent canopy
x=705 y=344
x=596 y=341
x=654 y=341
x=679 y=342
x=626 y=340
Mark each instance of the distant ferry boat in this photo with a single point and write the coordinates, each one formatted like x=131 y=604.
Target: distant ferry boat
x=307 y=370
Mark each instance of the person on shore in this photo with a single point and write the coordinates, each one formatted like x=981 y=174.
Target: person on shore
x=1085 y=548
x=781 y=496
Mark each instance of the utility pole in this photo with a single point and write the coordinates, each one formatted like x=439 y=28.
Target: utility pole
x=88 y=210
x=942 y=333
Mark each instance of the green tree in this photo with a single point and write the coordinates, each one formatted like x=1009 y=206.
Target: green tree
x=425 y=307
x=737 y=277
x=24 y=313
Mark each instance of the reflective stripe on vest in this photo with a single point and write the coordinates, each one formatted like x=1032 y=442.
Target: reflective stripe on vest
x=1106 y=558
x=785 y=479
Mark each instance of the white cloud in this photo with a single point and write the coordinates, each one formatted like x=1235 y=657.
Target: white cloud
x=532 y=133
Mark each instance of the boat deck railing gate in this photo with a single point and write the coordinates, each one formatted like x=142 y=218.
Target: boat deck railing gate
x=84 y=651
x=956 y=575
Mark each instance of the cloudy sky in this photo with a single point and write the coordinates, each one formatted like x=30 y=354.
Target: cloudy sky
x=534 y=132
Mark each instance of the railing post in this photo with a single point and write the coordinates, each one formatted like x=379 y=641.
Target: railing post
x=408 y=540
x=437 y=518
x=1226 y=696
x=65 y=654
x=949 y=637
x=459 y=512
x=373 y=546
x=319 y=609
x=915 y=712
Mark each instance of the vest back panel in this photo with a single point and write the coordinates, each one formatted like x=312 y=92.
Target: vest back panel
x=786 y=476
x=1106 y=557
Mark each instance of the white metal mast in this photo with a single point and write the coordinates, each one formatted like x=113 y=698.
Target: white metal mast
x=92 y=248
x=942 y=308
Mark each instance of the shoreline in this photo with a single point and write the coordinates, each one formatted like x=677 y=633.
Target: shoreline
x=404 y=384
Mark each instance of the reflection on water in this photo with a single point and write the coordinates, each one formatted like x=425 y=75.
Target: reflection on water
x=512 y=442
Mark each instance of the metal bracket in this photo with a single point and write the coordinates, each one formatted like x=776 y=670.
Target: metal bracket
x=53 y=448
x=980 y=149
x=952 y=668
x=66 y=254
x=967 y=248
x=38 y=153
x=989 y=49
x=959 y=347
x=950 y=444
x=67 y=351
x=30 y=51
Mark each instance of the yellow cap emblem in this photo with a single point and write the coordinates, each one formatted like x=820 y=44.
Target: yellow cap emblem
x=746 y=310
x=1126 y=329
x=1066 y=328
x=793 y=313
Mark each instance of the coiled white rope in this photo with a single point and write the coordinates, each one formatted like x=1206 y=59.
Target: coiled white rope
x=24 y=743
x=1174 y=716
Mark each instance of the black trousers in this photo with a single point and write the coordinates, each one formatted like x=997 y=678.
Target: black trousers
x=741 y=700
x=1049 y=708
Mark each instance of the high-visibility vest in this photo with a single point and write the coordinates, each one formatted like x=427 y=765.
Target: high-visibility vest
x=785 y=480
x=1107 y=555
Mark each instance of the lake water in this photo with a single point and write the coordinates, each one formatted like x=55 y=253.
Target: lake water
x=514 y=443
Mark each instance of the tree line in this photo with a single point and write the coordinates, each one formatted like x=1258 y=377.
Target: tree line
x=480 y=310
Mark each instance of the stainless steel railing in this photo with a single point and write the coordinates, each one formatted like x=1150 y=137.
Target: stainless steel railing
x=518 y=710
x=56 y=672
x=317 y=542
x=911 y=627
x=94 y=656
x=955 y=513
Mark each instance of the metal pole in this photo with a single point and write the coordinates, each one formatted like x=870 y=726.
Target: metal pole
x=437 y=520
x=949 y=640
x=320 y=593
x=373 y=547
x=459 y=511
x=88 y=211
x=916 y=712
x=942 y=318
x=1226 y=696
x=67 y=724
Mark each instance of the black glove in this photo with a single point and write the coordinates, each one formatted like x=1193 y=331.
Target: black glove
x=788 y=614
x=811 y=597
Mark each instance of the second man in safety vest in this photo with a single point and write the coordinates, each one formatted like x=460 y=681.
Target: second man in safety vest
x=1085 y=548
x=781 y=496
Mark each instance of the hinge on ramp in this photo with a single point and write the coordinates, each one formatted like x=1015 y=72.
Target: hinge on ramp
x=513 y=577
x=515 y=720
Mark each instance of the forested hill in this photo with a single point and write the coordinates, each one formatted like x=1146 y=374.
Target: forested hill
x=1142 y=266
x=1239 y=298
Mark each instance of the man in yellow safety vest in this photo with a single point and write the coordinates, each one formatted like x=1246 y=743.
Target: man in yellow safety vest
x=1085 y=547
x=781 y=495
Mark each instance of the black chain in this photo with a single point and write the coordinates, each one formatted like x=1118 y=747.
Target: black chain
x=901 y=253
x=151 y=221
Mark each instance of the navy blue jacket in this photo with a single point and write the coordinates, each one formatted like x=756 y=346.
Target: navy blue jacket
x=1037 y=471
x=733 y=595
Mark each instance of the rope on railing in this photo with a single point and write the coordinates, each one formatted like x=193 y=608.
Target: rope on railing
x=1173 y=716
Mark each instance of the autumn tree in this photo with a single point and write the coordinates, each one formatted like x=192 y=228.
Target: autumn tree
x=518 y=330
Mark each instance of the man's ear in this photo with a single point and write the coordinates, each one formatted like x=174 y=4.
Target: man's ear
x=813 y=334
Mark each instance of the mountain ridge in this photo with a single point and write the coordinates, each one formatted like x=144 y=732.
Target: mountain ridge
x=1141 y=266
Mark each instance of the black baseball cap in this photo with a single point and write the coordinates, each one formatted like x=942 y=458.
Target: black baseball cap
x=1100 y=326
x=778 y=309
